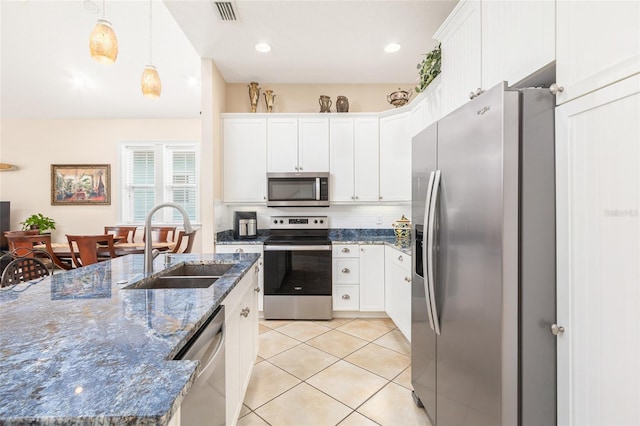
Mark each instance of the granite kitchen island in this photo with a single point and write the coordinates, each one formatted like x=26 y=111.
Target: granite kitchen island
x=79 y=348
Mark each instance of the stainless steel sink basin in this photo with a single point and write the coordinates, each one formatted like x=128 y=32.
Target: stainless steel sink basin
x=185 y=276
x=176 y=282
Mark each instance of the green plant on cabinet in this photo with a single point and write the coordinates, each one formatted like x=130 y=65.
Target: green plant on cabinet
x=429 y=69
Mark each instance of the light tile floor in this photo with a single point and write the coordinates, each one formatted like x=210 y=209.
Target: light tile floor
x=346 y=372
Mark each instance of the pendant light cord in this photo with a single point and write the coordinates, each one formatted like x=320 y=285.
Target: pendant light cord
x=150 y=35
x=104 y=9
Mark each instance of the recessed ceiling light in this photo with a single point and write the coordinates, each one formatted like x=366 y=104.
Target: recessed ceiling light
x=263 y=47
x=392 y=47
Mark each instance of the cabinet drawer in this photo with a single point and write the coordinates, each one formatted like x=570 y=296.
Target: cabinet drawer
x=346 y=298
x=400 y=259
x=345 y=250
x=237 y=248
x=346 y=271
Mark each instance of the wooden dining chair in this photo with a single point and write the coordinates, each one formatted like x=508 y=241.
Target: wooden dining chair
x=124 y=234
x=89 y=249
x=23 y=245
x=185 y=242
x=161 y=234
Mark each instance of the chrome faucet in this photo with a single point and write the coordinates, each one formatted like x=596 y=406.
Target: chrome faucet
x=149 y=253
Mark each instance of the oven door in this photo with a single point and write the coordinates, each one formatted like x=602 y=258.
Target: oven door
x=303 y=270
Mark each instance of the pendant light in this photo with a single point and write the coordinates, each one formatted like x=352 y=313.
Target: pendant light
x=150 y=81
x=103 y=43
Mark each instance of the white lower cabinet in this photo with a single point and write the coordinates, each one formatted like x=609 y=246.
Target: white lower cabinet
x=248 y=248
x=241 y=341
x=372 y=277
x=346 y=277
x=397 y=273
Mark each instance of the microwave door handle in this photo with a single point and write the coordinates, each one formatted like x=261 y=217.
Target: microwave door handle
x=430 y=249
x=424 y=242
x=317 y=189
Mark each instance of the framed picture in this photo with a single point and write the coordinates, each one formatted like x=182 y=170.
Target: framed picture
x=81 y=184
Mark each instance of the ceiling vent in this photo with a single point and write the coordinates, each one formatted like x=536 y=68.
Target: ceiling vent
x=226 y=10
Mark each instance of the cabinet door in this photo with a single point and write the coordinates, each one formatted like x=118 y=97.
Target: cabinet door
x=244 y=160
x=366 y=168
x=395 y=158
x=248 y=331
x=372 y=278
x=461 y=54
x=313 y=144
x=417 y=119
x=598 y=43
x=248 y=248
x=398 y=289
x=282 y=145
x=341 y=137
x=598 y=234
x=518 y=38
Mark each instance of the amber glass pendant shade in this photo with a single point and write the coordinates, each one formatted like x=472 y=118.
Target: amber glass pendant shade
x=103 y=43
x=151 y=85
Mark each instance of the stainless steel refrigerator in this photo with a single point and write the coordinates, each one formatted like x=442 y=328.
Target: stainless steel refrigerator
x=483 y=240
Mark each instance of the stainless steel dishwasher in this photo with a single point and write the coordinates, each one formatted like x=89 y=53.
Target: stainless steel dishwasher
x=205 y=402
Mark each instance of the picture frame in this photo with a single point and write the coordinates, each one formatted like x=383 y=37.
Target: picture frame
x=80 y=184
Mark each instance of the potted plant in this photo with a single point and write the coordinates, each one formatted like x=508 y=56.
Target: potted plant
x=429 y=69
x=38 y=221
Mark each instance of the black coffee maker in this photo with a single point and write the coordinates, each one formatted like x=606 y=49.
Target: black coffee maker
x=245 y=225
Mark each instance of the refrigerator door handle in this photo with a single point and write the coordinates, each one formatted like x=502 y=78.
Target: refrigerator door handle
x=431 y=252
x=425 y=265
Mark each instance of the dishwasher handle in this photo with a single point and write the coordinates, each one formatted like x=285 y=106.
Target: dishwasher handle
x=204 y=347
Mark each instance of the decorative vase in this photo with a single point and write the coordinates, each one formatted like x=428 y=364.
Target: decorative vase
x=269 y=98
x=342 y=104
x=402 y=228
x=254 y=95
x=325 y=103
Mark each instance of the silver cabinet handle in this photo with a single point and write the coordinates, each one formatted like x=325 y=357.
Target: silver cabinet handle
x=407 y=279
x=245 y=312
x=300 y=168
x=400 y=258
x=380 y=197
x=239 y=250
x=346 y=297
x=346 y=250
x=472 y=95
x=345 y=270
x=257 y=289
x=257 y=269
x=556 y=329
x=352 y=197
x=356 y=197
x=297 y=168
x=555 y=89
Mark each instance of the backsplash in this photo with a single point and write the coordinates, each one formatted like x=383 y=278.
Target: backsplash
x=340 y=216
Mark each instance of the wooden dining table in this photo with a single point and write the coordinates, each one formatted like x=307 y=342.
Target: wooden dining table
x=121 y=249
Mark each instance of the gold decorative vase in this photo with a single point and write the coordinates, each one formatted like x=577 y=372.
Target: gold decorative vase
x=269 y=99
x=254 y=95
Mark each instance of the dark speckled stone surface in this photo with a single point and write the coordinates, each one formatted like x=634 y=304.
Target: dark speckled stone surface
x=78 y=348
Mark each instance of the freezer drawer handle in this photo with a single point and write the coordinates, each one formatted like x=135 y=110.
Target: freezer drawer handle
x=345 y=270
x=557 y=329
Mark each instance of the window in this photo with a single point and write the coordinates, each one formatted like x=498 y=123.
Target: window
x=154 y=173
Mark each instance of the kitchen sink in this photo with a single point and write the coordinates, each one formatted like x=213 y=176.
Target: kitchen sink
x=185 y=276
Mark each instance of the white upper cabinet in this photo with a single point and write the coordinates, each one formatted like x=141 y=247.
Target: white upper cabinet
x=461 y=45
x=598 y=43
x=298 y=144
x=244 y=149
x=366 y=164
x=282 y=137
x=518 y=38
x=313 y=145
x=395 y=157
x=354 y=159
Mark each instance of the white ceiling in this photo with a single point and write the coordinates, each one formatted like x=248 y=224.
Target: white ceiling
x=47 y=72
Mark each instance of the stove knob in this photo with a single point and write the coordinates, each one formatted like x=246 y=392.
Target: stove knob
x=275 y=221
x=281 y=221
x=315 y=221
x=321 y=221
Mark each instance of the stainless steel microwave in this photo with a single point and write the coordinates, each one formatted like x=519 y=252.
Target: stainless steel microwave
x=298 y=189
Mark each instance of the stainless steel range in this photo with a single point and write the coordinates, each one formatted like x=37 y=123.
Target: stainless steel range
x=297 y=268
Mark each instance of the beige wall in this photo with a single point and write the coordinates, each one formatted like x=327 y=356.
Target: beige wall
x=34 y=145
x=304 y=97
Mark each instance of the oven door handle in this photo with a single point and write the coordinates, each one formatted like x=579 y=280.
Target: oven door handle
x=297 y=248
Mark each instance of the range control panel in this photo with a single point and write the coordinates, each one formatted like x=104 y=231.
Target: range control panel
x=299 y=222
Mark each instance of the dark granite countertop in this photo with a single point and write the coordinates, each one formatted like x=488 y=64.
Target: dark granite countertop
x=337 y=236
x=79 y=349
